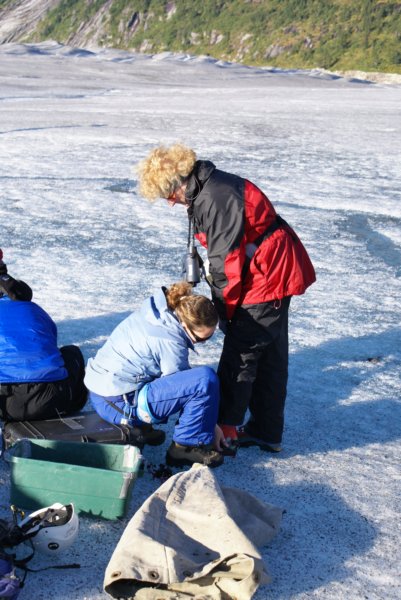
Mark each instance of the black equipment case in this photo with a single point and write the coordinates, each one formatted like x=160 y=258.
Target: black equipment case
x=82 y=427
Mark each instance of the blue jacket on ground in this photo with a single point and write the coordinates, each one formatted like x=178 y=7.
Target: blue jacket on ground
x=28 y=344
x=148 y=344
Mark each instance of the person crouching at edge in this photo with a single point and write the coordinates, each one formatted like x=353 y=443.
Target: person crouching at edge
x=142 y=375
x=38 y=380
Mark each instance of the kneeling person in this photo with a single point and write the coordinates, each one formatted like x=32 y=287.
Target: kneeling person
x=142 y=375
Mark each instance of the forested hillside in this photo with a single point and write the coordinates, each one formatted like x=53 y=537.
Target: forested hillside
x=332 y=34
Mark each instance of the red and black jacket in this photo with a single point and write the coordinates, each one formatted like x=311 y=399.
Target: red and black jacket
x=230 y=214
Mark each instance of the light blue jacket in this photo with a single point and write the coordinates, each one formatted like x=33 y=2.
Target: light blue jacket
x=148 y=344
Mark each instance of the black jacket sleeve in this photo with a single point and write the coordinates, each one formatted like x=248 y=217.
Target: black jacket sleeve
x=221 y=204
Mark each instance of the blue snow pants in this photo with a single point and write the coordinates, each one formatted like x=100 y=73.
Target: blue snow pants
x=193 y=395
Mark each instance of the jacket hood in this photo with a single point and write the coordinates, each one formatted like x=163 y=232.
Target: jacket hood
x=197 y=179
x=155 y=310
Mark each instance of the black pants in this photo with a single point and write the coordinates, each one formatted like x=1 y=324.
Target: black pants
x=253 y=369
x=47 y=400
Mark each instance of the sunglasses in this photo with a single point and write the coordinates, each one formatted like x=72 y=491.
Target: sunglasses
x=199 y=339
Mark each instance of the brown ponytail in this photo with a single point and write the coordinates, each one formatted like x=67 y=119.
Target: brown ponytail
x=192 y=309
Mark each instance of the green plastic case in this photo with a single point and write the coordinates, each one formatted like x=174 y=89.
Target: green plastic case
x=97 y=478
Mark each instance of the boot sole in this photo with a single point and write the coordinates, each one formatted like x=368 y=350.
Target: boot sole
x=261 y=445
x=156 y=442
x=230 y=450
x=142 y=441
x=182 y=462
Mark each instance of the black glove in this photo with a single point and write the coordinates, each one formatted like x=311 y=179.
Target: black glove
x=3 y=266
x=15 y=289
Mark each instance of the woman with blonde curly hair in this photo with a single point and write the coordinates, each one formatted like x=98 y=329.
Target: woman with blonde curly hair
x=142 y=375
x=165 y=171
x=256 y=263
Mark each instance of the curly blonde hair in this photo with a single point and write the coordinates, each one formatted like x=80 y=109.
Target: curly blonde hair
x=193 y=310
x=164 y=169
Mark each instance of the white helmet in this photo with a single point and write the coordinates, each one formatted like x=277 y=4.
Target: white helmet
x=52 y=529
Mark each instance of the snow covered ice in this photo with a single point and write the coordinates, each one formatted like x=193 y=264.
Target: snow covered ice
x=327 y=153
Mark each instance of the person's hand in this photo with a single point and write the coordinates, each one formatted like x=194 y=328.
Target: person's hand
x=219 y=442
x=230 y=445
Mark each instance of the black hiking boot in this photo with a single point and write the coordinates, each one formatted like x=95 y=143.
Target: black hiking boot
x=246 y=439
x=180 y=456
x=145 y=435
